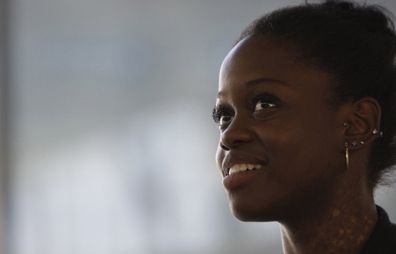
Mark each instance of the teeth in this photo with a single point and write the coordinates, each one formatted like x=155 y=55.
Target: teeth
x=243 y=167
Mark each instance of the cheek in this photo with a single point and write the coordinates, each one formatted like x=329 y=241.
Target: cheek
x=296 y=152
x=304 y=159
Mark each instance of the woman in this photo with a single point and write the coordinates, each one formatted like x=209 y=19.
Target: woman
x=307 y=118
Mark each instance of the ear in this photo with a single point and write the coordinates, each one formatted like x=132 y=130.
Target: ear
x=363 y=122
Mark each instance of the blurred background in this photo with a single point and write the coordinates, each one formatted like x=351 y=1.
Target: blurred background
x=108 y=143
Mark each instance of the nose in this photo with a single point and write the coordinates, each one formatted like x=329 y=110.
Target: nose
x=236 y=134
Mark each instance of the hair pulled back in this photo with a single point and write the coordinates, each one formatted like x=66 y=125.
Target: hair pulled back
x=356 y=45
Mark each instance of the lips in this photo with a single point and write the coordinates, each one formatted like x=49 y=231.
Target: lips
x=241 y=169
x=236 y=163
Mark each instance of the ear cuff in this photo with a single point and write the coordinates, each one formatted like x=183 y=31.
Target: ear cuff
x=355 y=143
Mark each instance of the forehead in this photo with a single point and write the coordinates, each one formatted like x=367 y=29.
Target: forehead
x=258 y=57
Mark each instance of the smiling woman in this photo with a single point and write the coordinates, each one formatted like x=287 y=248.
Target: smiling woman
x=307 y=123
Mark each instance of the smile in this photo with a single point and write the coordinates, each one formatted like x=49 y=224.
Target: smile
x=238 y=168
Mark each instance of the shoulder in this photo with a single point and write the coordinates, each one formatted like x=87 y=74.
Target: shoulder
x=389 y=239
x=383 y=238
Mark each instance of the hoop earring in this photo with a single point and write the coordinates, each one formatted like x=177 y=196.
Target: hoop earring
x=347 y=155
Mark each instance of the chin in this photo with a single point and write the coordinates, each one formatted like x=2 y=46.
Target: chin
x=251 y=213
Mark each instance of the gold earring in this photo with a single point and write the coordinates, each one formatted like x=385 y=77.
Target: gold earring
x=347 y=155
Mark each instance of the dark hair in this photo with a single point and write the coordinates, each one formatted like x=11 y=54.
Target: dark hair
x=356 y=45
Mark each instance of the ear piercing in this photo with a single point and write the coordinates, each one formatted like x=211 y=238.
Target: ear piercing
x=375 y=132
x=355 y=143
x=362 y=142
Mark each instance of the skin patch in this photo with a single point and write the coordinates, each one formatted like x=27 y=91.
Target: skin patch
x=336 y=212
x=360 y=239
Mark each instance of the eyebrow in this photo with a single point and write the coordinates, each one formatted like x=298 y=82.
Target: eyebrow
x=259 y=81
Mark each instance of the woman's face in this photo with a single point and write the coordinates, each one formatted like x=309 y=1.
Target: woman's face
x=274 y=117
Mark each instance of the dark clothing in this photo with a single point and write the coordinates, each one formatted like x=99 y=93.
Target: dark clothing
x=383 y=238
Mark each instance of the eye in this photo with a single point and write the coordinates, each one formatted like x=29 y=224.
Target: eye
x=262 y=105
x=222 y=116
x=225 y=120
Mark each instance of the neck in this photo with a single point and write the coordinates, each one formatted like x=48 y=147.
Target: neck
x=340 y=227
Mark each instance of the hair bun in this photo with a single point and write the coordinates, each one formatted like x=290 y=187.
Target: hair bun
x=338 y=5
x=375 y=19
